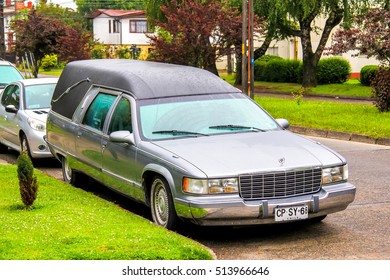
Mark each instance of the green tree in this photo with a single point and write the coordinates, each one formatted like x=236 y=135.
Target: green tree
x=37 y=34
x=86 y=7
x=296 y=18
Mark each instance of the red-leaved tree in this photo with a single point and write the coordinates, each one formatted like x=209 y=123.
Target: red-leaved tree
x=196 y=33
x=74 y=45
x=369 y=35
x=37 y=34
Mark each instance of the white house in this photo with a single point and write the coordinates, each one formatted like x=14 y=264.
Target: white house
x=121 y=27
x=10 y=9
x=291 y=48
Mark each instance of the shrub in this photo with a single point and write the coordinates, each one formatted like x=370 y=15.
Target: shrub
x=49 y=61
x=260 y=65
x=28 y=184
x=292 y=69
x=98 y=52
x=277 y=70
x=333 y=70
x=123 y=52
x=274 y=71
x=381 y=89
x=367 y=74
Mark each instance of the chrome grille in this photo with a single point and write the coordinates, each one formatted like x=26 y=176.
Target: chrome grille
x=280 y=184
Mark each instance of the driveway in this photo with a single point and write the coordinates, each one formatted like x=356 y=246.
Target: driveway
x=359 y=232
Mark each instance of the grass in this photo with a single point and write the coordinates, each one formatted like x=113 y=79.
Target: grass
x=67 y=223
x=352 y=87
x=52 y=72
x=354 y=118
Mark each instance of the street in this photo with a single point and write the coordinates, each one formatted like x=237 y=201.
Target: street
x=359 y=232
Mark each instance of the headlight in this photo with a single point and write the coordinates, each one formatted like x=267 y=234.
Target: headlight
x=37 y=125
x=211 y=186
x=334 y=174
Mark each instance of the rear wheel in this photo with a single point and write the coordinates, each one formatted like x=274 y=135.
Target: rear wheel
x=161 y=202
x=71 y=176
x=68 y=173
x=3 y=149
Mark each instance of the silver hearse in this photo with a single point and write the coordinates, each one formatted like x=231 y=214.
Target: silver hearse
x=190 y=146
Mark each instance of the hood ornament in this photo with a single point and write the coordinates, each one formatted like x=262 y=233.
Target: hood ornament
x=282 y=161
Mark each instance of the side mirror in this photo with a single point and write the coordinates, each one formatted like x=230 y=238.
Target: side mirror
x=11 y=109
x=283 y=123
x=122 y=136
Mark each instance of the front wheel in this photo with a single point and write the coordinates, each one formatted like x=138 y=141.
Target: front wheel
x=163 y=210
x=24 y=146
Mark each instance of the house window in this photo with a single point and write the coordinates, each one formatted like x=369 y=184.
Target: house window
x=113 y=26
x=138 y=26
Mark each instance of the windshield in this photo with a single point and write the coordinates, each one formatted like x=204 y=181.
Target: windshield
x=202 y=115
x=9 y=74
x=39 y=96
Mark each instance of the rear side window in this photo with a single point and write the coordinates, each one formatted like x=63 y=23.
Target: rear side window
x=97 y=111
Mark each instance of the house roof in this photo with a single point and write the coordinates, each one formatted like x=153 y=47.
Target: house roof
x=117 y=13
x=142 y=79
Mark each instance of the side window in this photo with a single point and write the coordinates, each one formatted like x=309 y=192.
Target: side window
x=97 y=111
x=15 y=97
x=121 y=118
x=11 y=96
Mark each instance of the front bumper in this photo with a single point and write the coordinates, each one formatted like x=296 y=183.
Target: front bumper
x=37 y=144
x=233 y=210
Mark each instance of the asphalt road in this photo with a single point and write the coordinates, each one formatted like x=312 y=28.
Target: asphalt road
x=359 y=232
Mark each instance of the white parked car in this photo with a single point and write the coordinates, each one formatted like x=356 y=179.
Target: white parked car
x=24 y=106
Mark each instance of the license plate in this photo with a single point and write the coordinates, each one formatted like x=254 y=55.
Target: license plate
x=291 y=213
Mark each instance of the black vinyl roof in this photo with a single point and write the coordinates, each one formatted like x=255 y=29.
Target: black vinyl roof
x=143 y=79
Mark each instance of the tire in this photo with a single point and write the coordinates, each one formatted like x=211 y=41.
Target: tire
x=161 y=203
x=68 y=173
x=24 y=146
x=3 y=149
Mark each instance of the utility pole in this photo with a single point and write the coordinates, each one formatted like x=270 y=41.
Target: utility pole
x=248 y=61
x=251 y=59
x=2 y=37
x=244 y=59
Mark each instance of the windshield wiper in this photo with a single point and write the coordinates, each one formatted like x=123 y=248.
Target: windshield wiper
x=235 y=127
x=179 y=132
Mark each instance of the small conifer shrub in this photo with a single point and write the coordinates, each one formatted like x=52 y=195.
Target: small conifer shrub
x=27 y=181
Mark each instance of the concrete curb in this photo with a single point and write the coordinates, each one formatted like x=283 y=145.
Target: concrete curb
x=346 y=136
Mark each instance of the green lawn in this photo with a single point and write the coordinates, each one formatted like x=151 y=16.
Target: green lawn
x=53 y=72
x=67 y=223
x=354 y=118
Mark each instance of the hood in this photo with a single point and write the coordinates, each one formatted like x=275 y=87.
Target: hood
x=252 y=152
x=39 y=114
